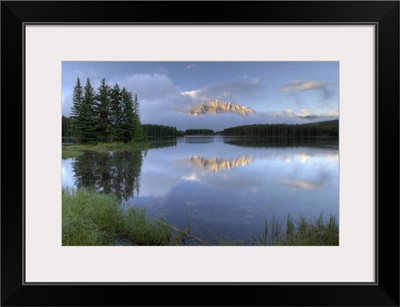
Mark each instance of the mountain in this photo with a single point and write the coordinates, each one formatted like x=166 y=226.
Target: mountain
x=217 y=164
x=217 y=107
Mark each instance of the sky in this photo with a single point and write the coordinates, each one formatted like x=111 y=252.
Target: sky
x=278 y=92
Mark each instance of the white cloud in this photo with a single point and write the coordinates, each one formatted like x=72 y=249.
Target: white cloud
x=331 y=113
x=291 y=117
x=195 y=67
x=290 y=112
x=196 y=96
x=299 y=85
x=305 y=113
x=231 y=90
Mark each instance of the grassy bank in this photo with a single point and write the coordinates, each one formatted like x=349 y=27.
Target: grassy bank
x=74 y=150
x=300 y=232
x=93 y=218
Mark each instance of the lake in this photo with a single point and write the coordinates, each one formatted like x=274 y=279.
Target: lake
x=224 y=187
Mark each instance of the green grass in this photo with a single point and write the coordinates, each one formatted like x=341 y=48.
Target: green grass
x=70 y=151
x=93 y=218
x=301 y=232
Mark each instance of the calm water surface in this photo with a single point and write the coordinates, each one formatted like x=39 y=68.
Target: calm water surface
x=225 y=187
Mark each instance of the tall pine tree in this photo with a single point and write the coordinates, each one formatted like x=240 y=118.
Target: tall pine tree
x=103 y=127
x=88 y=134
x=116 y=114
x=129 y=118
x=76 y=111
x=137 y=125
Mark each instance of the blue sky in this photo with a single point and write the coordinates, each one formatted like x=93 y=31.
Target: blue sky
x=279 y=92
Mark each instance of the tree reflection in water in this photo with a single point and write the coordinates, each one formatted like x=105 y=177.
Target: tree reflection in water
x=113 y=172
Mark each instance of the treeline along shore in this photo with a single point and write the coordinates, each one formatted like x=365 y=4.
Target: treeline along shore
x=320 y=129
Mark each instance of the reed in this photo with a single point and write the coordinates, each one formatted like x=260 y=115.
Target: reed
x=300 y=232
x=93 y=218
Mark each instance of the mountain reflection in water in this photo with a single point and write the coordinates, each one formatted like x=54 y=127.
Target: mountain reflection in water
x=224 y=186
x=219 y=164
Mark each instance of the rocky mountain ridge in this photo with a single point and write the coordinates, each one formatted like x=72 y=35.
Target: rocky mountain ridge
x=219 y=164
x=217 y=107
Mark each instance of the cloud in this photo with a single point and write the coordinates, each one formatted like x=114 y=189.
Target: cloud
x=290 y=112
x=159 y=98
x=195 y=67
x=149 y=86
x=298 y=85
x=196 y=95
x=325 y=89
x=307 y=114
x=231 y=90
x=331 y=113
x=303 y=114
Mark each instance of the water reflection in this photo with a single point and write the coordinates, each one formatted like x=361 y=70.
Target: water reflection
x=163 y=142
x=117 y=173
x=218 y=185
x=301 y=184
x=283 y=142
x=219 y=164
x=199 y=139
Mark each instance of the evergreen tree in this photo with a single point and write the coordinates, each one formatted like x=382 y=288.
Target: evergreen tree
x=87 y=126
x=116 y=115
x=76 y=111
x=103 y=127
x=66 y=127
x=138 y=129
x=129 y=118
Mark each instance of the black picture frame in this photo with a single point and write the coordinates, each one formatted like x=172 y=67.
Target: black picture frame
x=383 y=14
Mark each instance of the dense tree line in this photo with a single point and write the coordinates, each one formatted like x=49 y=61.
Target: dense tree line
x=160 y=130
x=199 y=132
x=110 y=114
x=323 y=129
x=66 y=127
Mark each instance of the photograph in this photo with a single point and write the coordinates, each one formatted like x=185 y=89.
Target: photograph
x=241 y=145
x=210 y=153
